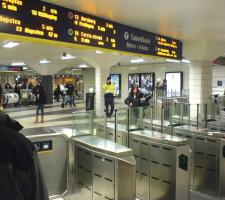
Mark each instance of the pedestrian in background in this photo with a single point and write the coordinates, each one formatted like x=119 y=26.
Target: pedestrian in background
x=109 y=90
x=70 y=91
x=17 y=91
x=40 y=101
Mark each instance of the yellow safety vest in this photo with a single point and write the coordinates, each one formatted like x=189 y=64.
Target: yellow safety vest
x=109 y=88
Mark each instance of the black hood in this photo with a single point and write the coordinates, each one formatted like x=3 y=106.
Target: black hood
x=6 y=121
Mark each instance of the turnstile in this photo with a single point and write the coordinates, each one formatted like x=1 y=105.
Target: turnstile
x=162 y=166
x=104 y=170
x=157 y=125
x=216 y=126
x=208 y=159
x=53 y=153
x=108 y=132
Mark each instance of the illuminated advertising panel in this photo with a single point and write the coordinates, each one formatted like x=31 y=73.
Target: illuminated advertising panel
x=116 y=80
x=174 y=83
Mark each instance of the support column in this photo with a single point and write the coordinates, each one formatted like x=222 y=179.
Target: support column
x=101 y=75
x=200 y=84
x=102 y=64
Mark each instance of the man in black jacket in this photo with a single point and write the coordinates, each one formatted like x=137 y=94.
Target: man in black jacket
x=20 y=173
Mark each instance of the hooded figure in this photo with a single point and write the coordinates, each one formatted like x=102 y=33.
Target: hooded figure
x=20 y=172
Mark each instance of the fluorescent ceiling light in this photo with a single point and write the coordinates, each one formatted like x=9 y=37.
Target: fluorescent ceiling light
x=138 y=60
x=133 y=68
x=174 y=61
x=18 y=64
x=99 y=52
x=25 y=68
x=10 y=44
x=44 y=61
x=67 y=57
x=83 y=66
x=186 y=61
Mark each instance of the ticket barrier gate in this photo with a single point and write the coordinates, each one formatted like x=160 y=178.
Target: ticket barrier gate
x=157 y=125
x=208 y=148
x=104 y=170
x=216 y=126
x=53 y=153
x=108 y=132
x=162 y=166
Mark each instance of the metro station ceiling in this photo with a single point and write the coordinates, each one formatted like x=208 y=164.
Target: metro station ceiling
x=32 y=53
x=180 y=19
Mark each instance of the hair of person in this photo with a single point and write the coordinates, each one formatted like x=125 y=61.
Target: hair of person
x=134 y=86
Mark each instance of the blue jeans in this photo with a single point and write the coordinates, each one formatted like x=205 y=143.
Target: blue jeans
x=40 y=107
x=70 y=100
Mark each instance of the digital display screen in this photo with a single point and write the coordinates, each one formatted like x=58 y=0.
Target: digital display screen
x=174 y=83
x=116 y=80
x=47 y=21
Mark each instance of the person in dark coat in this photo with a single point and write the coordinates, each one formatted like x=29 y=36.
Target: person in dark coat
x=20 y=171
x=40 y=100
x=70 y=93
x=136 y=99
x=57 y=93
x=17 y=91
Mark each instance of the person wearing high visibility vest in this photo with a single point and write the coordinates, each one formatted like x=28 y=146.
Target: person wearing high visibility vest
x=109 y=90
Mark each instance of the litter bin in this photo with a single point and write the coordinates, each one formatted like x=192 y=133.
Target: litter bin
x=90 y=101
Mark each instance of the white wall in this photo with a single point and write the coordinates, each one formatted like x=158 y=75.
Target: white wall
x=159 y=69
x=218 y=75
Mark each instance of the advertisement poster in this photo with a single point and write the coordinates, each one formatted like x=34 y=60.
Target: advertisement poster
x=133 y=79
x=147 y=83
x=116 y=80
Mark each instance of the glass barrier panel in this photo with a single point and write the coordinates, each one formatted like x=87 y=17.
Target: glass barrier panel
x=83 y=122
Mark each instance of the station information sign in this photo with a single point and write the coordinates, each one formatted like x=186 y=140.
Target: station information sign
x=47 y=21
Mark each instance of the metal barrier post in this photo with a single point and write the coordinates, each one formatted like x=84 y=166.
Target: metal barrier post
x=197 y=115
x=115 y=126
x=189 y=114
x=128 y=124
x=151 y=118
x=206 y=114
x=162 y=118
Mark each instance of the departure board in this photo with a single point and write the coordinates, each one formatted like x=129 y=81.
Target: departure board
x=47 y=21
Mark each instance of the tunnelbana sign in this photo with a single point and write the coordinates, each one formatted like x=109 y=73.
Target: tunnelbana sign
x=47 y=21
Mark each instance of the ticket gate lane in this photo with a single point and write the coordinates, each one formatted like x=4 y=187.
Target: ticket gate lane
x=53 y=152
x=105 y=170
x=208 y=160
x=160 y=173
